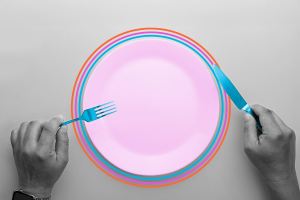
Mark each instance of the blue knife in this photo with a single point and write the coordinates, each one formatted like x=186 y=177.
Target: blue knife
x=234 y=94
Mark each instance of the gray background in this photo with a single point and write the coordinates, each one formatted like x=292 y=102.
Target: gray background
x=44 y=43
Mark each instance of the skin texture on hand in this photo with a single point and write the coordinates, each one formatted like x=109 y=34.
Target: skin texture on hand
x=41 y=153
x=272 y=152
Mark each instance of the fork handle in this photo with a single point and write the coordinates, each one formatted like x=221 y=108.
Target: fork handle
x=69 y=121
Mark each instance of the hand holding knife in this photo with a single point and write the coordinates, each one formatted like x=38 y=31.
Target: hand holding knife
x=234 y=94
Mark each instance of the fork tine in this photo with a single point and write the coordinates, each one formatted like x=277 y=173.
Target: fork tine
x=101 y=105
x=106 y=114
x=105 y=111
x=103 y=108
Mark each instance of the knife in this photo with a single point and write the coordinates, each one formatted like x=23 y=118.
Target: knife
x=234 y=95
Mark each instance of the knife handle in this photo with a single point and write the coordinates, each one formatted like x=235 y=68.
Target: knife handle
x=255 y=116
x=258 y=124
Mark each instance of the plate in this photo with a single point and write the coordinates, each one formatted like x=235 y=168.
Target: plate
x=172 y=114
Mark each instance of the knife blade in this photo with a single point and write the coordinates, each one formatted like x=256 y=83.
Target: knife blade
x=234 y=94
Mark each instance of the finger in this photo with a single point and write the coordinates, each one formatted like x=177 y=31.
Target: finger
x=33 y=133
x=62 y=145
x=250 y=131
x=267 y=120
x=21 y=133
x=280 y=122
x=49 y=130
x=13 y=137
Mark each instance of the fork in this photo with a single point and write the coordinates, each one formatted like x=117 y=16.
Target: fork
x=94 y=113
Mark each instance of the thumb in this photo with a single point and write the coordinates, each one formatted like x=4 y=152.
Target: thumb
x=250 y=131
x=62 y=145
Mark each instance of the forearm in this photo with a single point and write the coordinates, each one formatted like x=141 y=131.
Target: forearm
x=285 y=190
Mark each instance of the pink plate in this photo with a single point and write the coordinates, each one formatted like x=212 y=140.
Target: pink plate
x=168 y=106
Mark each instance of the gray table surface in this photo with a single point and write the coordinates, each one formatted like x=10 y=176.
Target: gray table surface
x=44 y=43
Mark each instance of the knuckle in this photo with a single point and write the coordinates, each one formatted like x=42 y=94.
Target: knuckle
x=268 y=112
x=271 y=112
x=13 y=132
x=23 y=124
x=290 y=133
x=48 y=127
x=256 y=106
x=23 y=127
x=34 y=123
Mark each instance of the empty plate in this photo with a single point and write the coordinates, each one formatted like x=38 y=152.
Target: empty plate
x=172 y=114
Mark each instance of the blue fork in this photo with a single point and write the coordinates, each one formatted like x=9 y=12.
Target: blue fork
x=95 y=113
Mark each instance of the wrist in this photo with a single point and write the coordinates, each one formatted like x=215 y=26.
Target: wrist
x=39 y=192
x=285 y=179
x=287 y=188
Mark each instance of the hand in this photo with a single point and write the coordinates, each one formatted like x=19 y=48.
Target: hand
x=41 y=153
x=272 y=151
